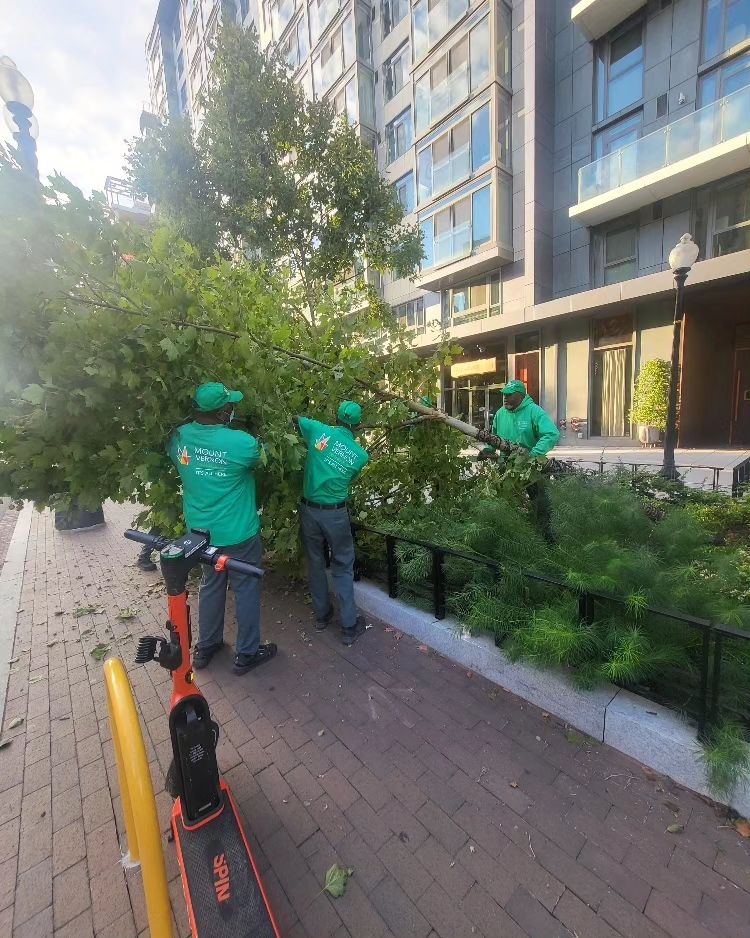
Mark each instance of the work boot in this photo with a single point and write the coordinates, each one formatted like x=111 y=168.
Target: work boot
x=145 y=563
x=350 y=636
x=245 y=663
x=203 y=655
x=323 y=623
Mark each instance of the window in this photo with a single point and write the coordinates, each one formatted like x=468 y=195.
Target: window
x=432 y=20
x=466 y=65
x=725 y=80
x=618 y=135
x=453 y=232
x=399 y=135
x=302 y=43
x=480 y=137
x=480 y=53
x=619 y=71
x=180 y=64
x=621 y=255
x=183 y=97
x=364 y=37
x=393 y=12
x=410 y=315
x=396 y=71
x=405 y=191
x=732 y=219
x=336 y=54
x=504 y=124
x=294 y=49
x=725 y=23
x=366 y=97
x=244 y=10
x=481 y=217
x=345 y=102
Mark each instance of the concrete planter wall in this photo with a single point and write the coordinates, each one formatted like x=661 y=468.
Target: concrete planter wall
x=653 y=735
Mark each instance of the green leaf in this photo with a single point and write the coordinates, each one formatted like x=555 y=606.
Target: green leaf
x=170 y=348
x=34 y=394
x=336 y=879
x=126 y=614
x=99 y=651
x=675 y=828
x=87 y=611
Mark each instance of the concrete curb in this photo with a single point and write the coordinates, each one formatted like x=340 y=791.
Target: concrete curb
x=653 y=735
x=11 y=581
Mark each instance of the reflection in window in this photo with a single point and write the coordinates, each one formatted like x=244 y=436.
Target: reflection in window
x=619 y=71
x=454 y=231
x=396 y=70
x=405 y=192
x=481 y=217
x=480 y=137
x=480 y=53
x=725 y=80
x=393 y=12
x=410 y=315
x=399 y=135
x=725 y=24
x=732 y=219
x=621 y=255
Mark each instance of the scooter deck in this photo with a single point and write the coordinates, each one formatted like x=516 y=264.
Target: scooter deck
x=224 y=893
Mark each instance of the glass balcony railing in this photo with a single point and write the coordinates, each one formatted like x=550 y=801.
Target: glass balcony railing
x=451 y=170
x=453 y=245
x=442 y=16
x=689 y=136
x=281 y=14
x=450 y=92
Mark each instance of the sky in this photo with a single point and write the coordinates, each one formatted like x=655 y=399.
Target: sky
x=85 y=60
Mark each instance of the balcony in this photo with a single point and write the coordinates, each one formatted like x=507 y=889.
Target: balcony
x=709 y=144
x=596 y=17
x=444 y=97
x=452 y=170
x=281 y=14
x=429 y=28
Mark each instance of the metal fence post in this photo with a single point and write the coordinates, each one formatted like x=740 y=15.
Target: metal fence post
x=390 y=556
x=716 y=682
x=705 y=660
x=438 y=583
x=586 y=608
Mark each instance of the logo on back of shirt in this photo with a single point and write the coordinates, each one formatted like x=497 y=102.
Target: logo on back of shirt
x=184 y=457
x=322 y=442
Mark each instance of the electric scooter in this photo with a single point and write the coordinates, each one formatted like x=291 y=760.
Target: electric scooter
x=220 y=878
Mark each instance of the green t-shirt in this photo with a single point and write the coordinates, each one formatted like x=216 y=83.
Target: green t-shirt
x=334 y=459
x=218 y=485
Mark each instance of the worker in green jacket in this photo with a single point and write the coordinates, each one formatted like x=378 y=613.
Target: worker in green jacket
x=522 y=423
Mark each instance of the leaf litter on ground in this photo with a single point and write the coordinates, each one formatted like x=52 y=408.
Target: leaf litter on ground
x=336 y=879
x=88 y=611
x=99 y=651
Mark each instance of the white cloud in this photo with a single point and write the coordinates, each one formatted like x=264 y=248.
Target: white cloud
x=85 y=60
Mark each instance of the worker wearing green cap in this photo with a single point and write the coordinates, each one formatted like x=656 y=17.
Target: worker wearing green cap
x=334 y=460
x=523 y=423
x=216 y=466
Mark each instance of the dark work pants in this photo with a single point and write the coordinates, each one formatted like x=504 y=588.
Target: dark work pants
x=213 y=595
x=319 y=527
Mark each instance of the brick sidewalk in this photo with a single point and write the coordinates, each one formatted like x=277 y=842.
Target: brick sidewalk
x=463 y=811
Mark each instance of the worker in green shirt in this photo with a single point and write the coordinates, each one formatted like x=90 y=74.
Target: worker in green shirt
x=216 y=466
x=334 y=460
x=522 y=423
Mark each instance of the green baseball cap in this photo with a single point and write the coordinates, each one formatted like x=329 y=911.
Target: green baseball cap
x=514 y=387
x=214 y=396
x=350 y=413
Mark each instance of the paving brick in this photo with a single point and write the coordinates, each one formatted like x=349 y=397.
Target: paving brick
x=403 y=824
x=445 y=916
x=66 y=807
x=68 y=846
x=674 y=920
x=579 y=919
x=33 y=893
x=374 y=830
x=398 y=910
x=8 y=870
x=355 y=853
x=487 y=915
x=533 y=917
x=623 y=880
x=441 y=792
x=304 y=785
x=437 y=822
x=339 y=788
x=447 y=870
x=80 y=927
x=40 y=924
x=627 y=920
x=70 y=892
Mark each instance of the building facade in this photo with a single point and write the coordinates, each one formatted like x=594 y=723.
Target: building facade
x=552 y=154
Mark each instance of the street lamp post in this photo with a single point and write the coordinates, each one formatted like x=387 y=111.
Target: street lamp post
x=18 y=96
x=681 y=260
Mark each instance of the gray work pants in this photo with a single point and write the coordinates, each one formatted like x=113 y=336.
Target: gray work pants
x=334 y=527
x=213 y=594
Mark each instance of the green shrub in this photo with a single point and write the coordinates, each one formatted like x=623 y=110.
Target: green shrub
x=726 y=757
x=651 y=394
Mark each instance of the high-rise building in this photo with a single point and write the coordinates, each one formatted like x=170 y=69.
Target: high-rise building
x=552 y=153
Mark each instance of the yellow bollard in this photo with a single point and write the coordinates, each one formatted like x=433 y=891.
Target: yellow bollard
x=138 y=802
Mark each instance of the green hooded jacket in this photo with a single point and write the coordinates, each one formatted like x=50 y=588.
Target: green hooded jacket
x=528 y=425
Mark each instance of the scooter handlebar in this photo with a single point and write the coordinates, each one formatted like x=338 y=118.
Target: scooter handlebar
x=239 y=566
x=210 y=557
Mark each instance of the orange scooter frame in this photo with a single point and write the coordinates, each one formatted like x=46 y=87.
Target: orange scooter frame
x=220 y=877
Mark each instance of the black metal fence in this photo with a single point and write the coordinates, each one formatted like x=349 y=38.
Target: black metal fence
x=740 y=473
x=678 y=691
